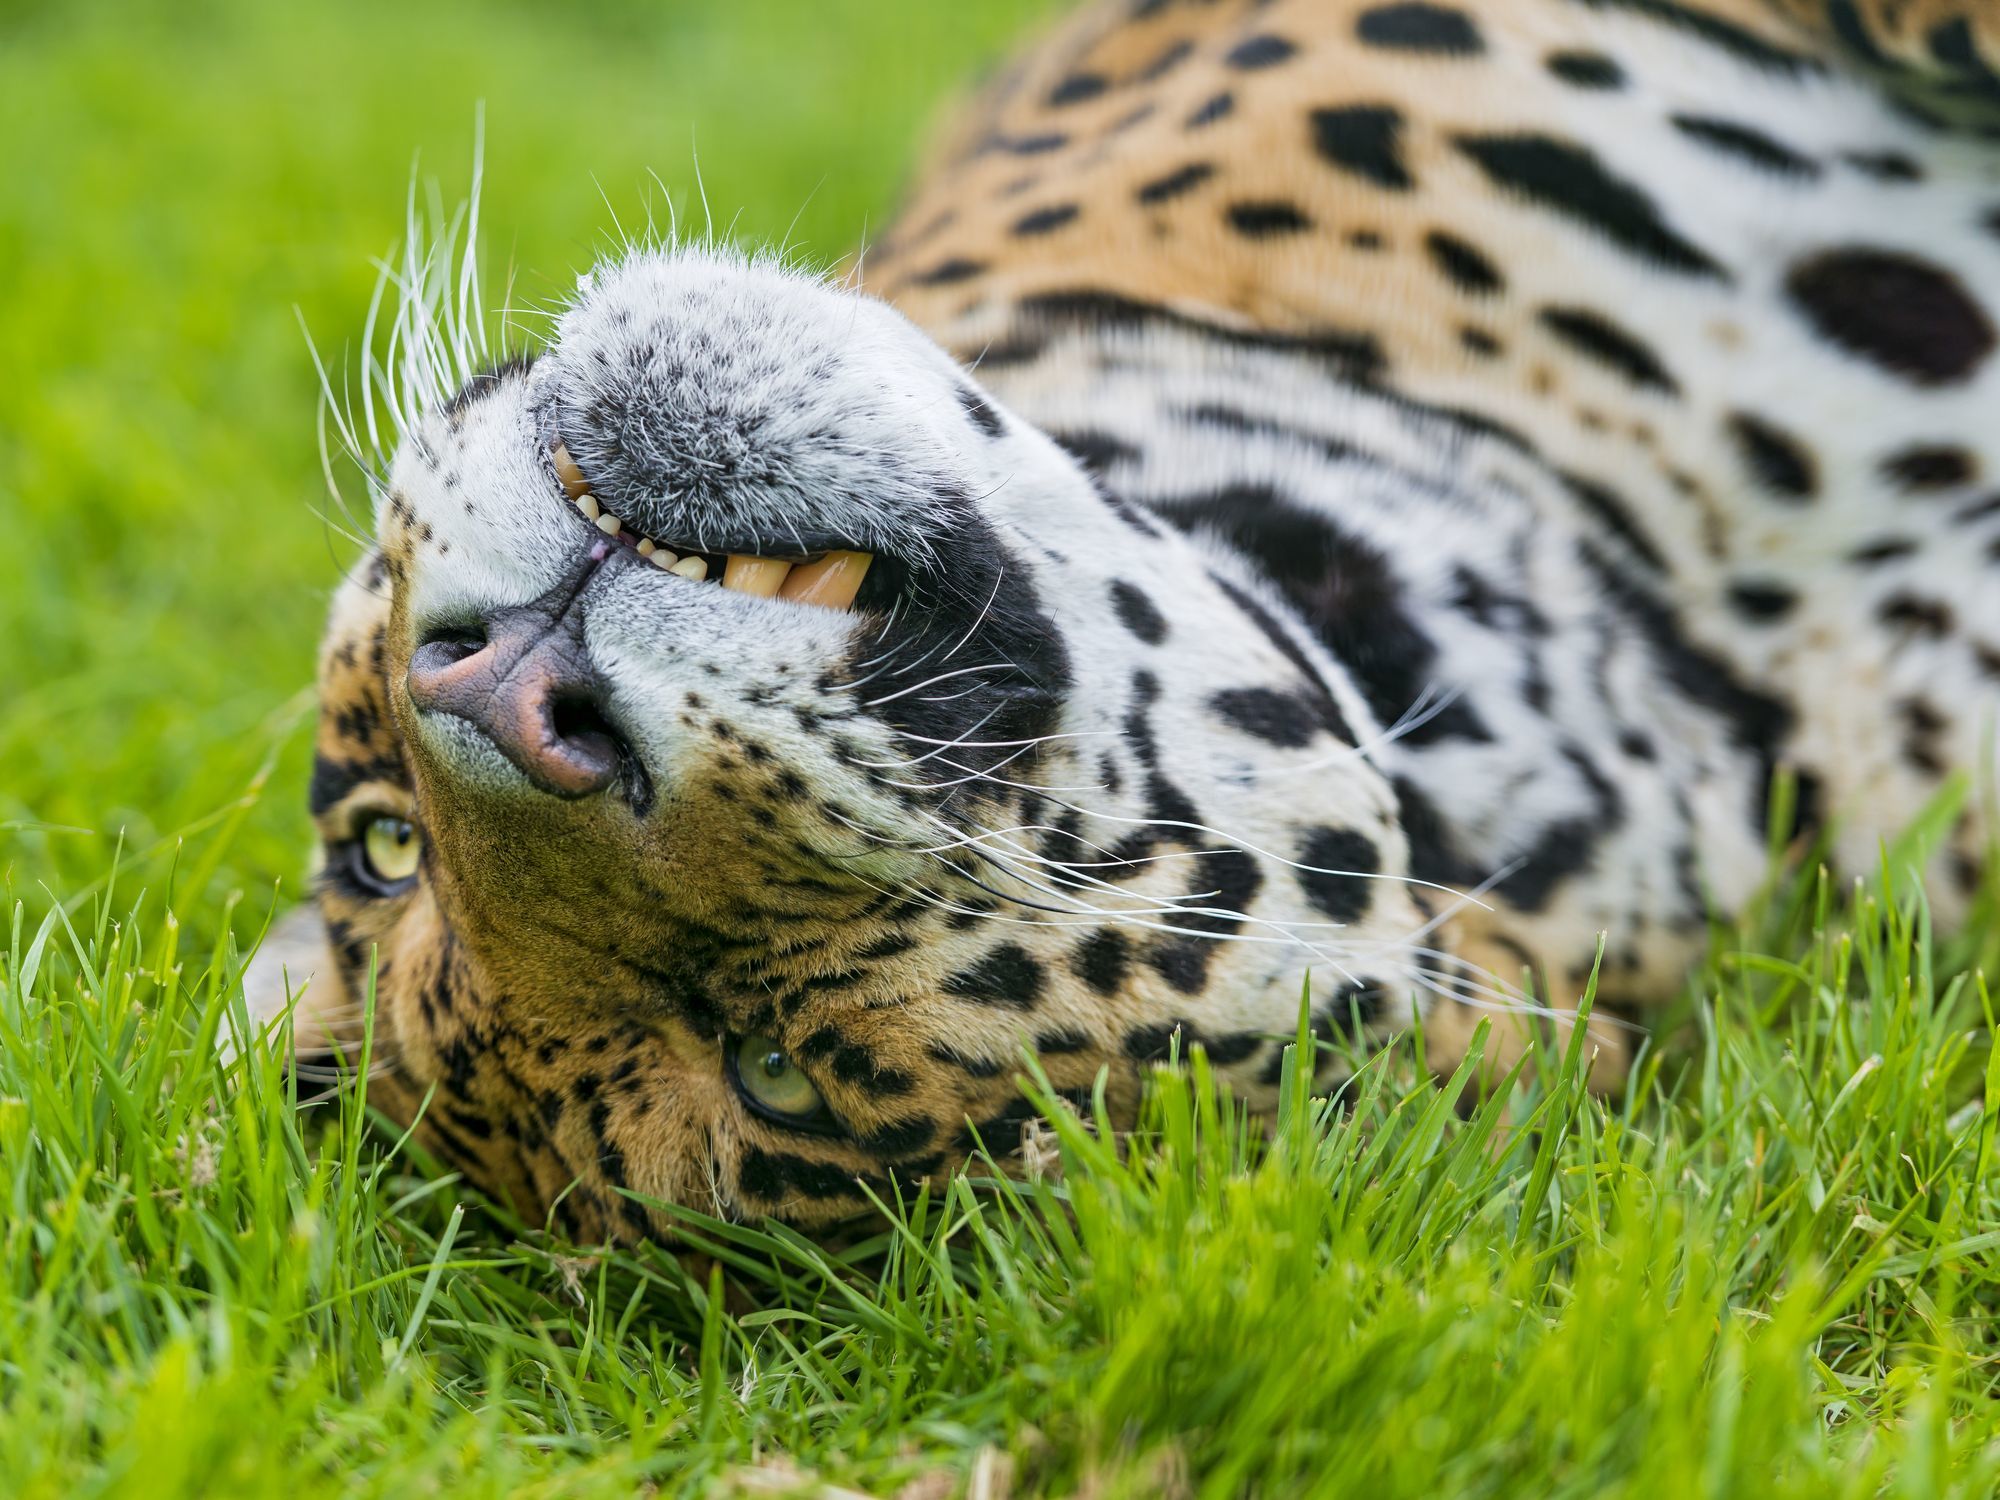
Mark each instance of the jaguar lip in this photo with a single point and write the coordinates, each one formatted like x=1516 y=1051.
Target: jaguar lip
x=828 y=580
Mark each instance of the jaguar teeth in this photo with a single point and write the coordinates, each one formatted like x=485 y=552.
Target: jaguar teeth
x=573 y=482
x=831 y=583
x=759 y=576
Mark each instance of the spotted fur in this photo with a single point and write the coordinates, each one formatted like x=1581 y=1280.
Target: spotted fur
x=1369 y=492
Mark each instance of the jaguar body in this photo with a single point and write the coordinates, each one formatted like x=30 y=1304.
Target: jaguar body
x=1360 y=499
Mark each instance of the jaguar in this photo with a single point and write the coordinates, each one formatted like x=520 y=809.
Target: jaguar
x=1371 y=516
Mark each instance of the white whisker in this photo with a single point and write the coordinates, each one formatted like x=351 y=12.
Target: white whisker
x=934 y=681
x=984 y=610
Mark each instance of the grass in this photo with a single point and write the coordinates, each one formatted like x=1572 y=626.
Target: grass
x=1772 y=1269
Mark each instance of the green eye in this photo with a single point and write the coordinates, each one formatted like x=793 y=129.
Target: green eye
x=390 y=848
x=771 y=1082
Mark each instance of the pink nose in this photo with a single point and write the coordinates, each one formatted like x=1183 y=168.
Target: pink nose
x=527 y=683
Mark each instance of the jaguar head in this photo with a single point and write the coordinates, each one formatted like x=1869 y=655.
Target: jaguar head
x=747 y=741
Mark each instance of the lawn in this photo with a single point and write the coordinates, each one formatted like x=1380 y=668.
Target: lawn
x=1771 y=1269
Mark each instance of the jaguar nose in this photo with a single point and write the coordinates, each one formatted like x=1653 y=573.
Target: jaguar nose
x=524 y=679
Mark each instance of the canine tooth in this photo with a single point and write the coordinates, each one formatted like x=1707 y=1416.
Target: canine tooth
x=609 y=524
x=573 y=482
x=760 y=576
x=831 y=583
x=587 y=503
x=647 y=546
x=663 y=559
x=689 y=567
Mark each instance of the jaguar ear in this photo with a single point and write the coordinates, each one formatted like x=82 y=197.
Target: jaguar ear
x=294 y=969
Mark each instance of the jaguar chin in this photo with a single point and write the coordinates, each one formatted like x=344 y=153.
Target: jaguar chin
x=1310 y=541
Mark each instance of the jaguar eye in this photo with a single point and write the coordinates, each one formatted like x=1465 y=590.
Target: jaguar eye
x=390 y=848
x=772 y=1083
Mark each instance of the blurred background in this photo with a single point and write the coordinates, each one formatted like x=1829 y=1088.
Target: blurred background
x=184 y=184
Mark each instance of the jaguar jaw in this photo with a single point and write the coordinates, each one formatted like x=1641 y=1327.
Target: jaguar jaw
x=829 y=580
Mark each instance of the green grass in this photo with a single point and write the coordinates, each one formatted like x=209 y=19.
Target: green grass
x=1772 y=1269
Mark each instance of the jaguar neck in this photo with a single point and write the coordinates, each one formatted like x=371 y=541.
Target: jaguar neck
x=1540 y=710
